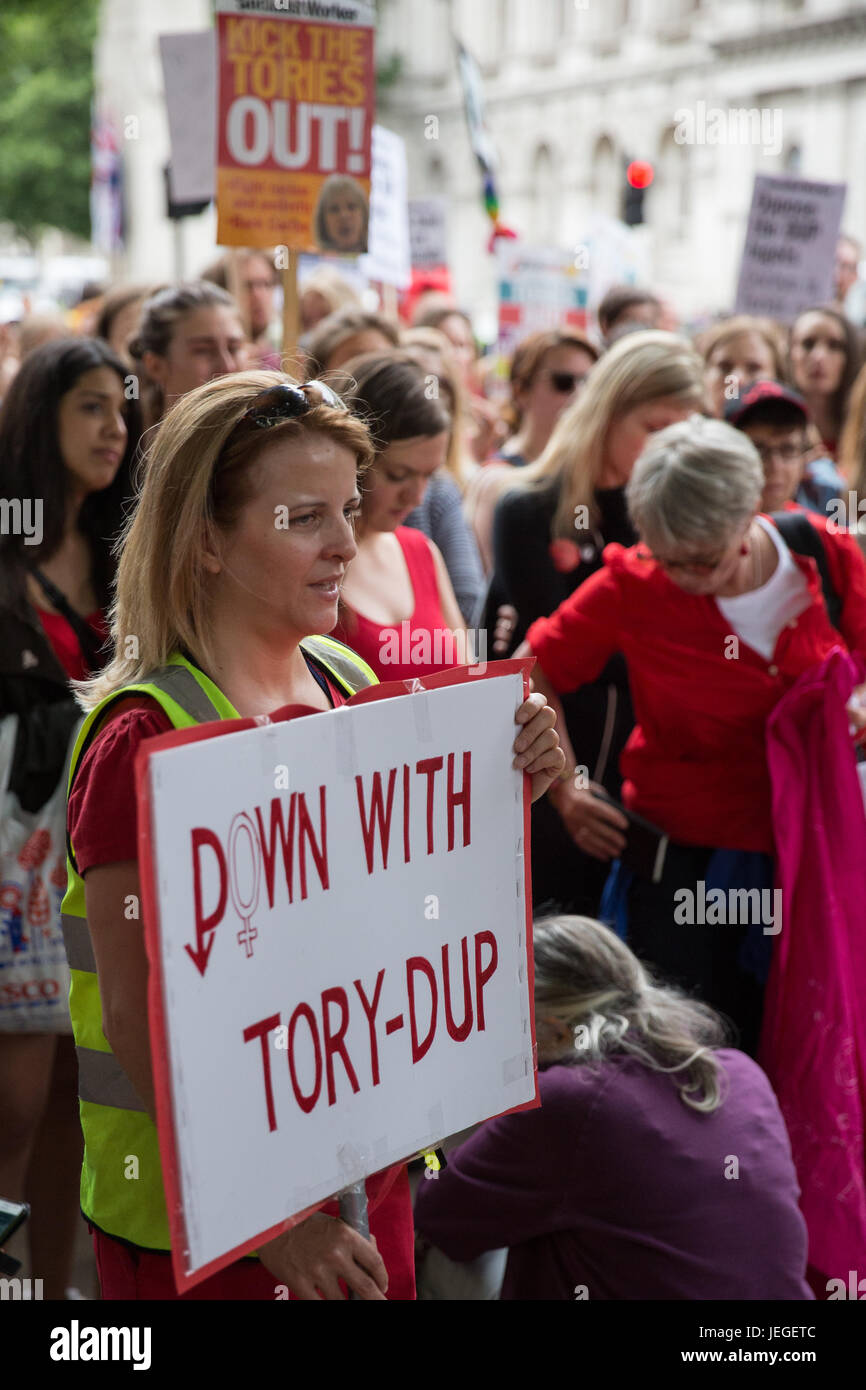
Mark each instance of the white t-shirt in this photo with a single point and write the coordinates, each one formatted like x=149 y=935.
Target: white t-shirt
x=759 y=616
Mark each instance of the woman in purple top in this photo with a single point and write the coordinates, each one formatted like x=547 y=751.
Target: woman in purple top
x=658 y=1166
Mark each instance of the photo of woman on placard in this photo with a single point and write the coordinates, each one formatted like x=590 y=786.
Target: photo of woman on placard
x=342 y=216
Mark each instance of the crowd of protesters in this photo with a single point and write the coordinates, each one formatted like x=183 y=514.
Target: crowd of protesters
x=669 y=524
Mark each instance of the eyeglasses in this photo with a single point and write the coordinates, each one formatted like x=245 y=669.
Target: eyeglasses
x=698 y=565
x=286 y=402
x=565 y=382
x=785 y=453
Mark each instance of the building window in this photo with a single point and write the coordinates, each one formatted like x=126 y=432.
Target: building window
x=605 y=181
x=544 y=196
x=436 y=179
x=670 y=191
x=793 y=161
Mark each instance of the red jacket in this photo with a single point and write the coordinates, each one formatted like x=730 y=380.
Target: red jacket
x=695 y=763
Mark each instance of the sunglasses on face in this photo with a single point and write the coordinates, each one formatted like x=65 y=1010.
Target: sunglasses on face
x=286 y=402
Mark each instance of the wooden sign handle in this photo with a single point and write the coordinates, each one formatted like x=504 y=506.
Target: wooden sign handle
x=290 y=355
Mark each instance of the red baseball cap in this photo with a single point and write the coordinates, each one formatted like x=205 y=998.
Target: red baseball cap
x=759 y=393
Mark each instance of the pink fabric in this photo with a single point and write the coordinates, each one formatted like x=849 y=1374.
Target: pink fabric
x=813 y=1045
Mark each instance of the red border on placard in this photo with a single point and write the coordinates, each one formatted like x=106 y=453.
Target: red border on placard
x=168 y=1147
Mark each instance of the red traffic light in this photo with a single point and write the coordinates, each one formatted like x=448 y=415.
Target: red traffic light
x=640 y=173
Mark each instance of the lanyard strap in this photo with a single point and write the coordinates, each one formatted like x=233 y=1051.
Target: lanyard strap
x=90 y=645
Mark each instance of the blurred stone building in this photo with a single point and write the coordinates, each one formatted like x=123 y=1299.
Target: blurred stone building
x=129 y=92
x=575 y=88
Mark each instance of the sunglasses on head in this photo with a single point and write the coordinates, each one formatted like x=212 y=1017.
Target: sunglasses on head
x=288 y=402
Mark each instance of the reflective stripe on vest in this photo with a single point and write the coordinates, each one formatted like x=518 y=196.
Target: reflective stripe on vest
x=115 y=1122
x=180 y=683
x=349 y=670
x=102 y=1081
x=79 y=947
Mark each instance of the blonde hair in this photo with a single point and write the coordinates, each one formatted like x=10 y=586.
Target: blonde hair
x=431 y=348
x=330 y=284
x=342 y=185
x=640 y=368
x=852 y=445
x=589 y=981
x=197 y=480
x=720 y=334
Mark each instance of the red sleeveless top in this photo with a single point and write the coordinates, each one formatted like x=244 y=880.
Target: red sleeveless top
x=420 y=645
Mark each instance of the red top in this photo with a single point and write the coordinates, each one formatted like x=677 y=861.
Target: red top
x=420 y=645
x=65 y=644
x=695 y=762
x=103 y=827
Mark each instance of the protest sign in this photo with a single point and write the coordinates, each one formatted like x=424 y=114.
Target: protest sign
x=294 y=123
x=189 y=78
x=428 y=244
x=540 y=288
x=337 y=922
x=611 y=254
x=790 y=246
x=388 y=259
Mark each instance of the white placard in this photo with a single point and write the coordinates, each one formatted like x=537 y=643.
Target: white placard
x=790 y=246
x=189 y=76
x=541 y=288
x=388 y=257
x=428 y=244
x=282 y=1085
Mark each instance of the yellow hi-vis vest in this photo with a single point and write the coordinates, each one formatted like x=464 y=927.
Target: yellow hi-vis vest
x=121 y=1179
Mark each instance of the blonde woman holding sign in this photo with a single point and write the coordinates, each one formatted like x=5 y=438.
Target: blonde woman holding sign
x=235 y=555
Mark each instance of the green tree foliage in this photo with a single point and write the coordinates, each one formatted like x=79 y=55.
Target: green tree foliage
x=46 y=87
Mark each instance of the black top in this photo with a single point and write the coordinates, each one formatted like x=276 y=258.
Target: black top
x=599 y=715
x=34 y=686
x=524 y=570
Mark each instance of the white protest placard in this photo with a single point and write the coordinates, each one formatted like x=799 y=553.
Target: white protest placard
x=612 y=254
x=189 y=78
x=540 y=288
x=340 y=948
x=790 y=246
x=428 y=244
x=388 y=257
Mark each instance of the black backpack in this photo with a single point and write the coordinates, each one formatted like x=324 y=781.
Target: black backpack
x=803 y=538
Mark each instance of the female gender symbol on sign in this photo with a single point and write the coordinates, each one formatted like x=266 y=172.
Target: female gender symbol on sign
x=242 y=828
